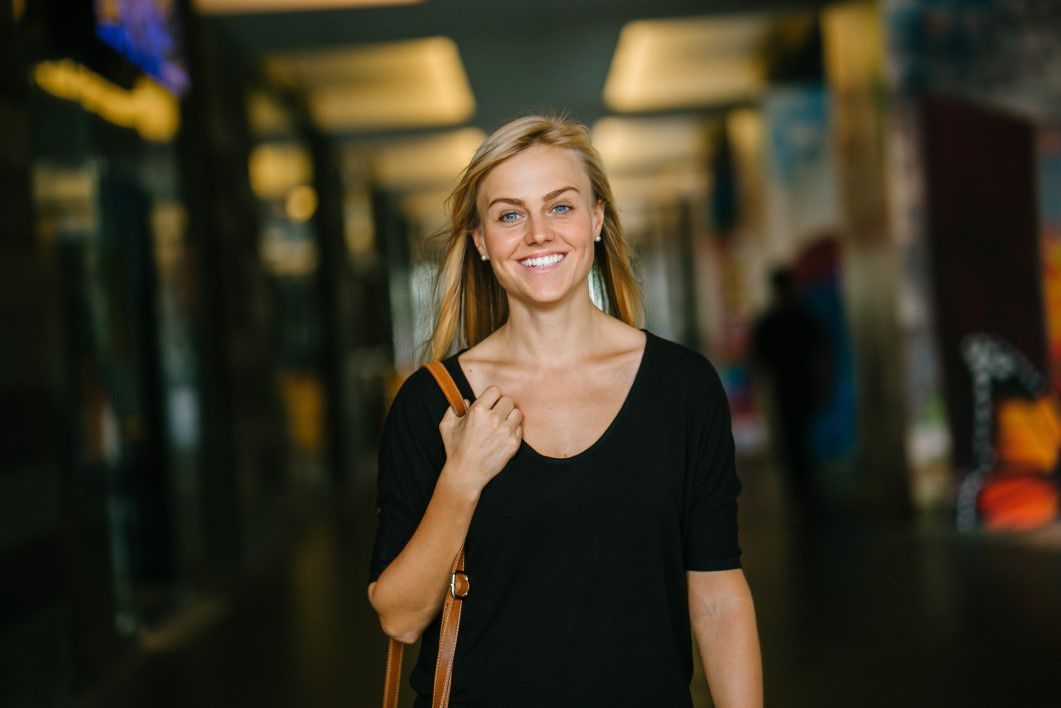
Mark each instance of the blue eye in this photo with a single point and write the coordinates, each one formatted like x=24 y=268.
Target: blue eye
x=507 y=213
x=563 y=206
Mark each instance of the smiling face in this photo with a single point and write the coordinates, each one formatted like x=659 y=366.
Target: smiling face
x=538 y=218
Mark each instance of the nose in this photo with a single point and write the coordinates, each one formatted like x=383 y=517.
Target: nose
x=537 y=232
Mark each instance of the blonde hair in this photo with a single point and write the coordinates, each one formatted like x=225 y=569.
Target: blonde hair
x=471 y=303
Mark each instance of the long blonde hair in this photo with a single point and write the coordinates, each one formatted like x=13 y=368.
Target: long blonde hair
x=471 y=302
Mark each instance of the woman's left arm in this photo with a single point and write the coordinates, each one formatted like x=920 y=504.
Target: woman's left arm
x=722 y=616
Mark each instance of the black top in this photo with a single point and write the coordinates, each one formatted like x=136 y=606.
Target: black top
x=576 y=565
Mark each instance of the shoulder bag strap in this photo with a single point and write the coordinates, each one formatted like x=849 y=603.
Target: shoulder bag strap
x=458 y=590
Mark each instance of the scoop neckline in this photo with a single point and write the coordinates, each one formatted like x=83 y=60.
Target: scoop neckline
x=525 y=449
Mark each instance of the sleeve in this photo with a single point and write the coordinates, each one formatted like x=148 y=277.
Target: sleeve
x=713 y=485
x=411 y=455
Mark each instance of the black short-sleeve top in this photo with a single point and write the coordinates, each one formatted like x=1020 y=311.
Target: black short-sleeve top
x=576 y=565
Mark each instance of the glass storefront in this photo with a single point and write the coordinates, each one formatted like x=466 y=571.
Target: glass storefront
x=109 y=199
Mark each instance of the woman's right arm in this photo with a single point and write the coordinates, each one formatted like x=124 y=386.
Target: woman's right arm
x=411 y=589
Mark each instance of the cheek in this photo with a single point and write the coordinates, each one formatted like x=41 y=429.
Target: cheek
x=579 y=223
x=499 y=234
x=587 y=226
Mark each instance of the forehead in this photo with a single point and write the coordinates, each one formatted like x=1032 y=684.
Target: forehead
x=535 y=172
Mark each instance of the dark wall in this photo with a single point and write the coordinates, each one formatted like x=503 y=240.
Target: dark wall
x=984 y=241
x=243 y=452
x=64 y=584
x=34 y=605
x=58 y=604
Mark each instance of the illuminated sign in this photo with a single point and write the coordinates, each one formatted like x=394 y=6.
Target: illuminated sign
x=147 y=33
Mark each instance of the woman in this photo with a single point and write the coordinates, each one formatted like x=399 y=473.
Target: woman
x=592 y=478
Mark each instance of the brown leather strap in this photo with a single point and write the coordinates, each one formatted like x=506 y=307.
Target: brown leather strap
x=457 y=591
x=448 y=385
x=447 y=641
x=393 y=678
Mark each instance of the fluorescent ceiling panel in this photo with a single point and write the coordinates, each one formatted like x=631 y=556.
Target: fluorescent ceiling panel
x=415 y=83
x=687 y=63
x=429 y=162
x=242 y=7
x=641 y=144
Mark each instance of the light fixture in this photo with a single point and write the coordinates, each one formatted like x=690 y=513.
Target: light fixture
x=277 y=168
x=301 y=203
x=404 y=84
x=687 y=63
x=147 y=108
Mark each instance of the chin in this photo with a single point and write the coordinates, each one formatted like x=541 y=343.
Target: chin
x=544 y=296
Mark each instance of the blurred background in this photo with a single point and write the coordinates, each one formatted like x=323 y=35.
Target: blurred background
x=212 y=282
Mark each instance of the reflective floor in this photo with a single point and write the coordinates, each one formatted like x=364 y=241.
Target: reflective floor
x=849 y=615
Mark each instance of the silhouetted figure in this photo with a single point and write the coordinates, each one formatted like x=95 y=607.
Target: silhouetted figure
x=790 y=350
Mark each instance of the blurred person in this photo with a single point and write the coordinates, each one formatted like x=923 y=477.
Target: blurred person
x=591 y=480
x=790 y=354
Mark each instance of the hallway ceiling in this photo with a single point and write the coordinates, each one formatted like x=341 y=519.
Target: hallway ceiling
x=222 y=7
x=553 y=54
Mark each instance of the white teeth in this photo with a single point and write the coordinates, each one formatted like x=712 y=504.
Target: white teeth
x=543 y=261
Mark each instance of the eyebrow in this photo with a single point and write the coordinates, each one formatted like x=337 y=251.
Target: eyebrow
x=519 y=202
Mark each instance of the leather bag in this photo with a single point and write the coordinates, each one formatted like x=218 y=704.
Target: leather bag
x=451 y=610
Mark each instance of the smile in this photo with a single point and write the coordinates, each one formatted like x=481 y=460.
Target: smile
x=549 y=262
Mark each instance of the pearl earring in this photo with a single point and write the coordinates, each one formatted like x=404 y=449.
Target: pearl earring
x=483 y=256
x=598 y=238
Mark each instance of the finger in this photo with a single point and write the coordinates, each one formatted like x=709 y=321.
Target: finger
x=488 y=397
x=449 y=417
x=515 y=417
x=504 y=406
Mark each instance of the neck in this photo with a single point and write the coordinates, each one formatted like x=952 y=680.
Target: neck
x=537 y=339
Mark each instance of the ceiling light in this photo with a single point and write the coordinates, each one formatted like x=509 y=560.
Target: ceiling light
x=433 y=161
x=147 y=108
x=277 y=168
x=301 y=203
x=406 y=84
x=684 y=63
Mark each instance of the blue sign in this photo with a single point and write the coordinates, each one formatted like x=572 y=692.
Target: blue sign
x=147 y=33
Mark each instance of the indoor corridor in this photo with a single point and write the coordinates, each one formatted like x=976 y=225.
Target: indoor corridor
x=231 y=229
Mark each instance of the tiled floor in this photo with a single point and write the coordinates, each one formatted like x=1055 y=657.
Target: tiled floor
x=850 y=614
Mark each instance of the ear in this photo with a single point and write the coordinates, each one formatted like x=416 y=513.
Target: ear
x=598 y=217
x=477 y=239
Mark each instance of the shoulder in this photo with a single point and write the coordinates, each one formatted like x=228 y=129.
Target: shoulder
x=418 y=398
x=686 y=368
x=691 y=382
